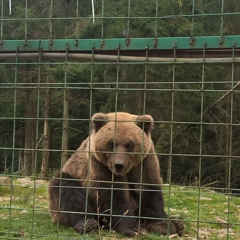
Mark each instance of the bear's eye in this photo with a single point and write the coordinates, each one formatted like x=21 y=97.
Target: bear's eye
x=111 y=145
x=130 y=146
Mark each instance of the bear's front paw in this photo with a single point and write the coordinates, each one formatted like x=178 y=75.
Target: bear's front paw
x=88 y=226
x=162 y=227
x=167 y=227
x=179 y=227
x=129 y=233
x=134 y=232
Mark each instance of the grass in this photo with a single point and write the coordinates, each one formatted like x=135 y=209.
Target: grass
x=207 y=214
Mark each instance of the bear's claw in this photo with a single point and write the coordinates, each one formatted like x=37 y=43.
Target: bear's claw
x=167 y=227
x=179 y=227
x=135 y=232
x=88 y=226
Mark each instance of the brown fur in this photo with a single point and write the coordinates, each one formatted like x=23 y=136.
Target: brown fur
x=117 y=162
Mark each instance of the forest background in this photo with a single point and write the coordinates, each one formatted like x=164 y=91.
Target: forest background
x=45 y=108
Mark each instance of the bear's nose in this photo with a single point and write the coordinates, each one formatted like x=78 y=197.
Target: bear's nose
x=119 y=167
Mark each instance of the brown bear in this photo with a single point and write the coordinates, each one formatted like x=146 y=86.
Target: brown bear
x=113 y=180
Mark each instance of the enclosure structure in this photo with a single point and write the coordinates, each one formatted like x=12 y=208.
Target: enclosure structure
x=64 y=60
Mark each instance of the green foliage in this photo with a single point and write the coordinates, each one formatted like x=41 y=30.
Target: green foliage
x=179 y=97
x=24 y=213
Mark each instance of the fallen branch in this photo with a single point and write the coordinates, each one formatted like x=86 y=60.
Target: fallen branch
x=210 y=184
x=221 y=98
x=204 y=112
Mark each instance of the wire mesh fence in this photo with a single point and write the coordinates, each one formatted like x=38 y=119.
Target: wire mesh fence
x=178 y=61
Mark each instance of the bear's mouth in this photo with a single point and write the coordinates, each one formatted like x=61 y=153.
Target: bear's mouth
x=120 y=170
x=119 y=173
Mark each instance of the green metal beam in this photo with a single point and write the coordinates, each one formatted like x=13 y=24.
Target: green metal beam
x=167 y=43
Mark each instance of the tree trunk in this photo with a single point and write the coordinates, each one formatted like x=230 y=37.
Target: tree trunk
x=30 y=127
x=5 y=156
x=30 y=130
x=20 y=161
x=5 y=164
x=46 y=133
x=140 y=102
x=228 y=144
x=64 y=155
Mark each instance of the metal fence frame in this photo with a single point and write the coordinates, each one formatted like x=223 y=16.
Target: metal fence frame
x=171 y=51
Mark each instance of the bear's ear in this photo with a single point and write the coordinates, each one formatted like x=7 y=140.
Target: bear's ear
x=145 y=122
x=98 y=121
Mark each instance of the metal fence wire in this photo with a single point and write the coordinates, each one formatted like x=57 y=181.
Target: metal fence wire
x=62 y=61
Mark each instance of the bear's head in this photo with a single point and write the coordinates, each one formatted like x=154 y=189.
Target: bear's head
x=120 y=140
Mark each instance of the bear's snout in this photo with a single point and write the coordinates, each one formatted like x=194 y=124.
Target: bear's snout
x=119 y=167
x=119 y=163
